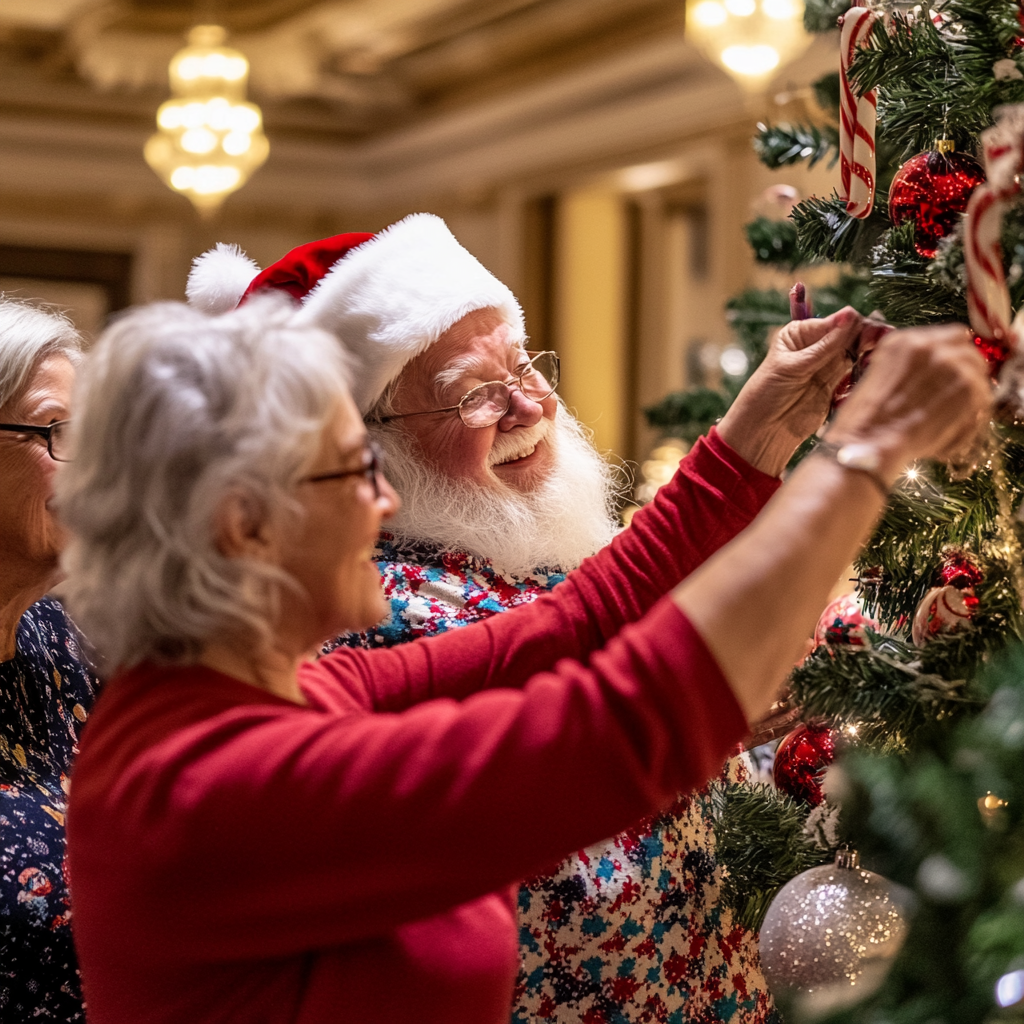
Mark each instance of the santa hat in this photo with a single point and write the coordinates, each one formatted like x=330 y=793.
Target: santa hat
x=388 y=296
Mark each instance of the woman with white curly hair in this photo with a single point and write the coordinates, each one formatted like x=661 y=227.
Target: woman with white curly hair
x=46 y=688
x=259 y=837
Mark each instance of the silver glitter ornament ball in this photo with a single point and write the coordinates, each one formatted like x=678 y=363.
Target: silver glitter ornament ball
x=831 y=934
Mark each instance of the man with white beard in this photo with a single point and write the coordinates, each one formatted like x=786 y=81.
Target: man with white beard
x=540 y=497
x=502 y=495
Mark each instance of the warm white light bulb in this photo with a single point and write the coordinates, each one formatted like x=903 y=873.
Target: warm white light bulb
x=236 y=143
x=236 y=68
x=751 y=60
x=190 y=68
x=170 y=116
x=734 y=361
x=183 y=177
x=218 y=114
x=193 y=115
x=741 y=8
x=198 y=140
x=245 y=118
x=211 y=179
x=710 y=14
x=780 y=10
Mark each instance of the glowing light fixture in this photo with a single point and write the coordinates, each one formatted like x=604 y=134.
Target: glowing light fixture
x=751 y=39
x=210 y=139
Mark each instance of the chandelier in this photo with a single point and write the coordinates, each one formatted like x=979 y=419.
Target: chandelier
x=210 y=139
x=751 y=39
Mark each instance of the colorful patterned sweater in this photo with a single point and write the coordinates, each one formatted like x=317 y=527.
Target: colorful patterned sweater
x=45 y=694
x=629 y=930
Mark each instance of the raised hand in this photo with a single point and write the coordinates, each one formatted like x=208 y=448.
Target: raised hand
x=926 y=395
x=790 y=394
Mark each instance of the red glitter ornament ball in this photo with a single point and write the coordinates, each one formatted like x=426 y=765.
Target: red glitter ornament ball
x=932 y=189
x=801 y=761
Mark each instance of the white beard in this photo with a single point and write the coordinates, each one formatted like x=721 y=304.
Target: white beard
x=569 y=517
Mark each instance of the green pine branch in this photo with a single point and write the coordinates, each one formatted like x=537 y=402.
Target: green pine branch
x=827 y=233
x=906 y=288
x=753 y=314
x=774 y=242
x=918 y=821
x=761 y=841
x=823 y=15
x=687 y=414
x=880 y=693
x=827 y=91
x=782 y=145
x=935 y=83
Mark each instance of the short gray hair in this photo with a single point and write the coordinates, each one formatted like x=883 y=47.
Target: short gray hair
x=29 y=333
x=176 y=409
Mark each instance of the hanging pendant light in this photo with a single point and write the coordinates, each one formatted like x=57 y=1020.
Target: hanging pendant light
x=751 y=39
x=210 y=139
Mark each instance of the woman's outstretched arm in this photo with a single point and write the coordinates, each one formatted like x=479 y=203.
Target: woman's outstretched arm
x=924 y=396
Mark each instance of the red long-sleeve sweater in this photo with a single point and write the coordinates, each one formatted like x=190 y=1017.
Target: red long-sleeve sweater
x=236 y=857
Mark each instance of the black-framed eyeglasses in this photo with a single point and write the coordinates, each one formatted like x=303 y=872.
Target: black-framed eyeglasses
x=56 y=434
x=370 y=471
x=485 y=404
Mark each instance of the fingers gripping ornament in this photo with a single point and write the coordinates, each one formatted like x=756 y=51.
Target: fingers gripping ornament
x=857 y=116
x=831 y=935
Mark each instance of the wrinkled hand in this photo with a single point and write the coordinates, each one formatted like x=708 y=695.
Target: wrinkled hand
x=926 y=395
x=790 y=394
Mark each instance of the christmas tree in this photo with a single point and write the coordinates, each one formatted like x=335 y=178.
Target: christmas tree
x=921 y=683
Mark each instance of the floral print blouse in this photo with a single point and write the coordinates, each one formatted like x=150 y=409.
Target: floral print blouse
x=46 y=691
x=628 y=931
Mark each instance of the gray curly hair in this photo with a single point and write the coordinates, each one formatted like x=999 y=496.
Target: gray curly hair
x=28 y=333
x=174 y=410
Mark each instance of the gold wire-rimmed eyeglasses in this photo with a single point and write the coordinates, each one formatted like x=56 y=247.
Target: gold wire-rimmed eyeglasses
x=485 y=404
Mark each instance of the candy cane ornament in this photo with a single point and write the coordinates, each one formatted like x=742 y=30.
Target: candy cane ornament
x=988 y=297
x=857 y=117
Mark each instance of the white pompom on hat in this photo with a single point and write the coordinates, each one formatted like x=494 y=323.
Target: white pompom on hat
x=219 y=278
x=387 y=296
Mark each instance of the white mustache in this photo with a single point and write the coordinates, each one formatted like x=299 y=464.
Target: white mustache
x=517 y=443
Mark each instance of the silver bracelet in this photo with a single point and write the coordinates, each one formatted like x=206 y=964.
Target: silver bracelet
x=862 y=458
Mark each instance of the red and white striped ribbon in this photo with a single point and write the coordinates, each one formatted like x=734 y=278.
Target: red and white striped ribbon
x=857 y=115
x=988 y=298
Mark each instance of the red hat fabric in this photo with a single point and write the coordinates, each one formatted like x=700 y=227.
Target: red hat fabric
x=300 y=271
x=387 y=296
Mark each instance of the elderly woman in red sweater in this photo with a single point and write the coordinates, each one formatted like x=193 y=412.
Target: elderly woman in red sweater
x=258 y=837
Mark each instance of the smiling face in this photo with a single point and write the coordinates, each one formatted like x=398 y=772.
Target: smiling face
x=30 y=536
x=515 y=452
x=329 y=554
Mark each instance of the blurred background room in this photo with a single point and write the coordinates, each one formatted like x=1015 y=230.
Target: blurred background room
x=586 y=151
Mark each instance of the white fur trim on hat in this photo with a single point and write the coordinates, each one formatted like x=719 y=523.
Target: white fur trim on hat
x=219 y=278
x=396 y=294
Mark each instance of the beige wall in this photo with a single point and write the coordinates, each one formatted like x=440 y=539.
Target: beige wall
x=590 y=302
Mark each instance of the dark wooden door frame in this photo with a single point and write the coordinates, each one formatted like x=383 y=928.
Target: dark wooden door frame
x=110 y=271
